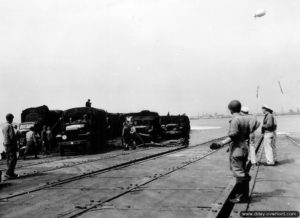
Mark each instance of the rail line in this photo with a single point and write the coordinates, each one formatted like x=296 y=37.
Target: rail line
x=100 y=171
x=71 y=164
x=81 y=211
x=69 y=158
x=293 y=140
x=49 y=159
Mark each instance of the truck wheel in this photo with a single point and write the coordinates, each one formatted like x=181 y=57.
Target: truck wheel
x=61 y=150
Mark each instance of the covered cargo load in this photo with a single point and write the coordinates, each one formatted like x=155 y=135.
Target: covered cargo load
x=83 y=128
x=36 y=118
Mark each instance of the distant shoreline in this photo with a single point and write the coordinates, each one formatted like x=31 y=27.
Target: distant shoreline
x=226 y=117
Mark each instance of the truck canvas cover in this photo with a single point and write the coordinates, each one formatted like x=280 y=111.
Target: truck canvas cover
x=35 y=114
x=96 y=115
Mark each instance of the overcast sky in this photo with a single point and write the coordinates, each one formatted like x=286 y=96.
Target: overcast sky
x=172 y=56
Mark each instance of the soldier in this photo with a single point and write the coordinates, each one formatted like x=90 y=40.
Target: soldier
x=10 y=145
x=269 y=130
x=88 y=103
x=254 y=125
x=238 y=137
x=133 y=135
x=31 y=143
x=45 y=144
x=49 y=138
x=126 y=135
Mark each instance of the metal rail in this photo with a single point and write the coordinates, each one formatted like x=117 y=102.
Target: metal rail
x=35 y=172
x=293 y=140
x=79 y=211
x=104 y=170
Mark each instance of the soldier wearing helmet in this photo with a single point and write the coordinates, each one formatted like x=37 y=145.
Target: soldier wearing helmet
x=10 y=145
x=238 y=137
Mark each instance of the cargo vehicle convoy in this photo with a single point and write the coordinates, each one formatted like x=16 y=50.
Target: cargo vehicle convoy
x=83 y=128
x=174 y=127
x=87 y=129
x=36 y=118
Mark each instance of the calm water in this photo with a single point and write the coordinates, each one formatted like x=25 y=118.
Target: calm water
x=207 y=129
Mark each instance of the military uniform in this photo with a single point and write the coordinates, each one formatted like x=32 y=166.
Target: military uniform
x=239 y=132
x=126 y=135
x=10 y=145
x=254 y=125
x=31 y=143
x=269 y=130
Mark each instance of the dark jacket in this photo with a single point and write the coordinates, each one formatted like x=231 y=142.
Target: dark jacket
x=269 y=123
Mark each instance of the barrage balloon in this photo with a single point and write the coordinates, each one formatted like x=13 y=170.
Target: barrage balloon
x=260 y=13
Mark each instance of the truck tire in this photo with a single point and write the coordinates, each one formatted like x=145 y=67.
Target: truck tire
x=61 y=150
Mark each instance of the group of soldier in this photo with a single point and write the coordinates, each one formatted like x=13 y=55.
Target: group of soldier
x=13 y=146
x=241 y=136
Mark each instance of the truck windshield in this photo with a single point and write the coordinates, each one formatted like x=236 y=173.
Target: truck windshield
x=74 y=127
x=26 y=125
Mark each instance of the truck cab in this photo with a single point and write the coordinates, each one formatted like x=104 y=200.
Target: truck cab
x=84 y=130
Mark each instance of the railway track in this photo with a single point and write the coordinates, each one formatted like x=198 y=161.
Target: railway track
x=22 y=164
x=222 y=210
x=238 y=208
x=133 y=185
x=67 y=163
x=293 y=140
x=28 y=163
x=82 y=210
x=134 y=160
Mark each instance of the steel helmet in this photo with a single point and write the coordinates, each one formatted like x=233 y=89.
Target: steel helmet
x=235 y=106
x=9 y=117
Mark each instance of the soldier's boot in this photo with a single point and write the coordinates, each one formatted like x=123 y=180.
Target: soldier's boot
x=241 y=190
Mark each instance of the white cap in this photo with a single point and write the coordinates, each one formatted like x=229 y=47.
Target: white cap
x=266 y=107
x=245 y=109
x=129 y=119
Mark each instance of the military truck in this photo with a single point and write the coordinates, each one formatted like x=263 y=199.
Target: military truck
x=37 y=117
x=146 y=124
x=175 y=126
x=84 y=129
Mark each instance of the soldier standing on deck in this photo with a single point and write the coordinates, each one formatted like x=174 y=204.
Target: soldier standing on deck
x=238 y=137
x=254 y=124
x=10 y=145
x=269 y=130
